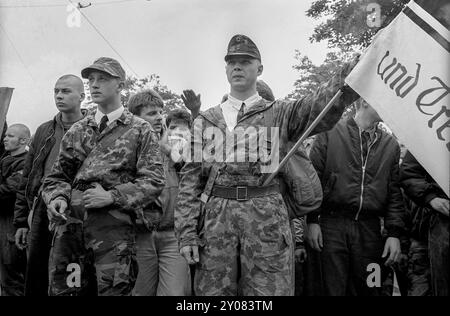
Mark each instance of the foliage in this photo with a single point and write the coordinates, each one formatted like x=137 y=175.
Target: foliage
x=345 y=24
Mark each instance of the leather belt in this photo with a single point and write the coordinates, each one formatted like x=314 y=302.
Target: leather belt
x=243 y=193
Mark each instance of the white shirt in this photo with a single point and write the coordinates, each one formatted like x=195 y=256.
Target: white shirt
x=114 y=115
x=230 y=108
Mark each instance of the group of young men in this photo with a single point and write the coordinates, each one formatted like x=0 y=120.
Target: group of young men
x=120 y=201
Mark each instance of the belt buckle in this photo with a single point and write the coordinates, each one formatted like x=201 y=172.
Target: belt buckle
x=238 y=198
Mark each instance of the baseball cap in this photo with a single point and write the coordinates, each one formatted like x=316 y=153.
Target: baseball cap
x=107 y=65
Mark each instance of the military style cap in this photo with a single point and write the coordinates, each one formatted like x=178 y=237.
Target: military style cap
x=107 y=65
x=241 y=45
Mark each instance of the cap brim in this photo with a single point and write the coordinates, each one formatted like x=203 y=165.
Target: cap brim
x=228 y=56
x=86 y=71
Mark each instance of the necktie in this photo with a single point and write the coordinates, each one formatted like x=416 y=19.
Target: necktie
x=241 y=112
x=103 y=123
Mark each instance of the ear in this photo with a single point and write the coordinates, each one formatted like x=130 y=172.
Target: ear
x=260 y=69
x=121 y=85
x=82 y=96
x=23 y=141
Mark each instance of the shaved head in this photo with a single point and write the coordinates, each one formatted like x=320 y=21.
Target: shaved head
x=68 y=94
x=72 y=81
x=20 y=130
x=16 y=139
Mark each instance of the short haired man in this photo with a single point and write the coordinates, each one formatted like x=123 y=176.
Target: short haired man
x=242 y=221
x=12 y=259
x=68 y=94
x=109 y=168
x=162 y=269
x=358 y=165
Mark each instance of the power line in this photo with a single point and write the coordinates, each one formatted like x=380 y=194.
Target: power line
x=50 y=5
x=106 y=40
x=17 y=52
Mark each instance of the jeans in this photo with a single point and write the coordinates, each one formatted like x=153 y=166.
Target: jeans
x=12 y=260
x=349 y=247
x=162 y=270
x=36 y=280
x=419 y=269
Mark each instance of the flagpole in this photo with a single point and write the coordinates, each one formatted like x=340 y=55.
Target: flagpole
x=304 y=136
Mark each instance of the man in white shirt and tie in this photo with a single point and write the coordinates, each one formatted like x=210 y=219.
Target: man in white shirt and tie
x=235 y=229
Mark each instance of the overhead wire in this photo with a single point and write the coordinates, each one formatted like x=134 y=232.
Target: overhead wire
x=17 y=52
x=106 y=40
x=51 y=5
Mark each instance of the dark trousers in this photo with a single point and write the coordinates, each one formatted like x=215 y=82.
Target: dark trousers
x=419 y=269
x=349 y=247
x=12 y=260
x=438 y=251
x=36 y=281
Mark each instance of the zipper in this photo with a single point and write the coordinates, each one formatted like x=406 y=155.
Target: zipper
x=364 y=164
x=36 y=158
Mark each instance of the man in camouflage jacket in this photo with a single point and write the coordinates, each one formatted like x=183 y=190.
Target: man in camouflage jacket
x=109 y=168
x=241 y=239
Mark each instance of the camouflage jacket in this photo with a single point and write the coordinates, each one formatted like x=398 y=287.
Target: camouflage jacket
x=291 y=118
x=130 y=167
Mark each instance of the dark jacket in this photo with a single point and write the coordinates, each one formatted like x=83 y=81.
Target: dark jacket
x=349 y=188
x=418 y=185
x=33 y=172
x=419 y=188
x=10 y=174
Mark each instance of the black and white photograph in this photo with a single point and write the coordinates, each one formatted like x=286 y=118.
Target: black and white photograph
x=224 y=152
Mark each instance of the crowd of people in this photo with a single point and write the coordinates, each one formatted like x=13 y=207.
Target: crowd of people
x=126 y=200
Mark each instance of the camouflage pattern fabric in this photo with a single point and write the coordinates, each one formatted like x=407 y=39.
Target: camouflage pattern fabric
x=260 y=229
x=262 y=242
x=68 y=247
x=131 y=169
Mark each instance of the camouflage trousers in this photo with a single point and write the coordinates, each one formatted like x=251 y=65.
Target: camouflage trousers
x=71 y=269
x=99 y=245
x=247 y=248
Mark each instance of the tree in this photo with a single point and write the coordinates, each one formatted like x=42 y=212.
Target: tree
x=312 y=76
x=346 y=25
x=171 y=99
x=347 y=32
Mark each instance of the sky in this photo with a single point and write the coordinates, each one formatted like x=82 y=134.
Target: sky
x=183 y=41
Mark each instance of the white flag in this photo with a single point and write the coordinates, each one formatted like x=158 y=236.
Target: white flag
x=405 y=76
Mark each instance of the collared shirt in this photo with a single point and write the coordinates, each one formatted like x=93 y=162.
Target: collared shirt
x=230 y=108
x=368 y=137
x=114 y=115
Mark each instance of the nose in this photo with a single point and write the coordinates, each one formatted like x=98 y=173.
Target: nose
x=237 y=66
x=59 y=96
x=93 y=83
